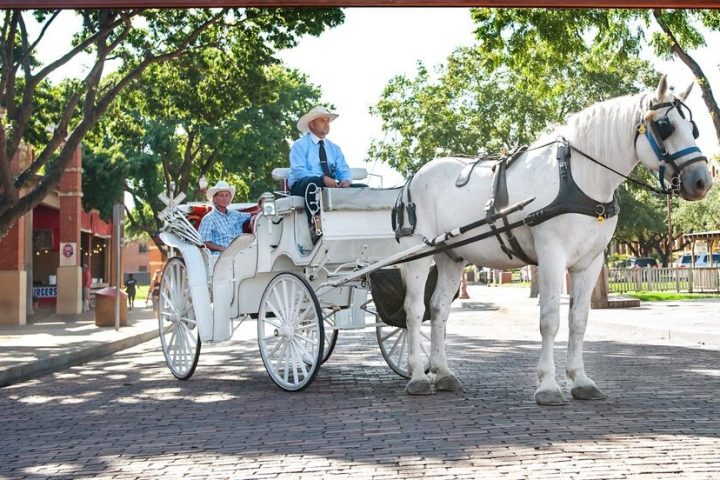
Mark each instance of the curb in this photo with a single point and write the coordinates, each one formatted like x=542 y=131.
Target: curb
x=54 y=363
x=702 y=339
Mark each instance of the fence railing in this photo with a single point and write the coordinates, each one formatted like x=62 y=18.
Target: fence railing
x=693 y=280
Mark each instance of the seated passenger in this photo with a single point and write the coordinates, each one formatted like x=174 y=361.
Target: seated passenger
x=220 y=227
x=314 y=160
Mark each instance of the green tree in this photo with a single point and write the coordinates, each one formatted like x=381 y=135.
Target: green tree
x=532 y=38
x=192 y=129
x=135 y=38
x=476 y=106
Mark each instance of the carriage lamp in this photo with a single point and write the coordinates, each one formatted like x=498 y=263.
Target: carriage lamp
x=268 y=204
x=203 y=184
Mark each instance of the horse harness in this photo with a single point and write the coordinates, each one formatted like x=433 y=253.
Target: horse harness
x=658 y=131
x=570 y=199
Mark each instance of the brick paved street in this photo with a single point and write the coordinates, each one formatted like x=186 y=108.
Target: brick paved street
x=127 y=417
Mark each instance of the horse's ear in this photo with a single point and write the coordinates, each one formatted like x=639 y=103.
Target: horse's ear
x=661 y=89
x=682 y=96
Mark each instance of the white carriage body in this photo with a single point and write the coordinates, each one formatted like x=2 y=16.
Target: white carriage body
x=357 y=232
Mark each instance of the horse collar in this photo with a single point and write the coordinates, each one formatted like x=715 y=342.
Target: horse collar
x=570 y=198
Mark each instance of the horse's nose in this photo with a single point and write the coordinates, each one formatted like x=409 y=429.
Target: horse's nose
x=700 y=185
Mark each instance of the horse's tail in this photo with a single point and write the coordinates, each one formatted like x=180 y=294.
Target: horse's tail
x=402 y=208
x=388 y=289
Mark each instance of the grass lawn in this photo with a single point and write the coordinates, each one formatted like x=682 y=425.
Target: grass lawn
x=669 y=296
x=141 y=292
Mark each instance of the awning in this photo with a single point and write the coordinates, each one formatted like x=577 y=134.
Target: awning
x=90 y=222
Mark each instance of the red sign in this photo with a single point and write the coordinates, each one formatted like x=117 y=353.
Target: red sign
x=68 y=250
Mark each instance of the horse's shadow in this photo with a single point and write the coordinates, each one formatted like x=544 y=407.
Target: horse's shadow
x=356 y=410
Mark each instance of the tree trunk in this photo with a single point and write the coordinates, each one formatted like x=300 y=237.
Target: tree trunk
x=707 y=93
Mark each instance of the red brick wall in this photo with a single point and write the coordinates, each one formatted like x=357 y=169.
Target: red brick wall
x=132 y=259
x=12 y=245
x=70 y=192
x=12 y=250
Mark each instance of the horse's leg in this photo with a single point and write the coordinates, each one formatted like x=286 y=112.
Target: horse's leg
x=449 y=275
x=551 y=273
x=416 y=273
x=582 y=284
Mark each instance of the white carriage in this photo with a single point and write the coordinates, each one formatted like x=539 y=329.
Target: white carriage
x=300 y=293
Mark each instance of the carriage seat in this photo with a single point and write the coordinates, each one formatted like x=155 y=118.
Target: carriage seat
x=196 y=211
x=281 y=175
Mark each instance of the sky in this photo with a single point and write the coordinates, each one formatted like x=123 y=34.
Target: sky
x=353 y=62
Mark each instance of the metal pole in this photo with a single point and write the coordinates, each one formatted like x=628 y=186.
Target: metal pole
x=118 y=214
x=669 y=244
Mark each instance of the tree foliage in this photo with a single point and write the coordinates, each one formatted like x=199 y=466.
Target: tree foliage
x=136 y=39
x=529 y=38
x=179 y=134
x=482 y=102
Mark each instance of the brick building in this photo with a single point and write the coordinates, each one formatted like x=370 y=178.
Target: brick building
x=41 y=256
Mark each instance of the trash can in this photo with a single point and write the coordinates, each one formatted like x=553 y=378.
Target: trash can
x=105 y=307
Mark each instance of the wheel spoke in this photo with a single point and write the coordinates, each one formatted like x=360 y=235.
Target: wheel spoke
x=395 y=331
x=293 y=359
x=179 y=333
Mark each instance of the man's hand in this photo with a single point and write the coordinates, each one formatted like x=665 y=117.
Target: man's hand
x=330 y=182
x=345 y=183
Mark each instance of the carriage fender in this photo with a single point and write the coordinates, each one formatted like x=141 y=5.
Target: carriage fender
x=197 y=283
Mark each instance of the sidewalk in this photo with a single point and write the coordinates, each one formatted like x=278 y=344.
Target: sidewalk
x=695 y=322
x=50 y=343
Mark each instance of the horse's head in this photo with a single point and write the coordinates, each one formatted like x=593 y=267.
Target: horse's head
x=668 y=144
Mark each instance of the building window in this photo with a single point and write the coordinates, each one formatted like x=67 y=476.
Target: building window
x=142 y=268
x=142 y=247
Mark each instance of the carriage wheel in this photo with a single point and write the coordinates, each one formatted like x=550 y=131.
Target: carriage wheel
x=393 y=343
x=176 y=320
x=290 y=331
x=331 y=337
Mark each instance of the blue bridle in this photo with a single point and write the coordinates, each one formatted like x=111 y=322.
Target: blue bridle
x=660 y=130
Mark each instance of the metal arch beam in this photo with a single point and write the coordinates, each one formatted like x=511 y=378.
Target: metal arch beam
x=197 y=282
x=72 y=4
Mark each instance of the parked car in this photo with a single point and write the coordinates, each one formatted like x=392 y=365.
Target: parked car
x=701 y=260
x=642 y=262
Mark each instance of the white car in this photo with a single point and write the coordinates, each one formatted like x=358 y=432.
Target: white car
x=701 y=260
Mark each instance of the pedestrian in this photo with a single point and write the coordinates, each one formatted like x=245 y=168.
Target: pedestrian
x=130 y=285
x=221 y=226
x=154 y=290
x=86 y=285
x=316 y=162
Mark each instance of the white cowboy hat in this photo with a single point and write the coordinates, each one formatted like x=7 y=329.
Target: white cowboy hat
x=220 y=186
x=316 y=112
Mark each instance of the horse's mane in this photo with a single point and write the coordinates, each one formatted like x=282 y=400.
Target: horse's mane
x=606 y=132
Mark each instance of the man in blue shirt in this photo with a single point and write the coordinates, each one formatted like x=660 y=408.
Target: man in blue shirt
x=220 y=227
x=316 y=162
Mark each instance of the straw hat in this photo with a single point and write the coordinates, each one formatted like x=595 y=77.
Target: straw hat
x=221 y=186
x=316 y=112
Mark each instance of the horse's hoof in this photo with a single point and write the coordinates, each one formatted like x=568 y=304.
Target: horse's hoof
x=448 y=383
x=550 y=397
x=419 y=387
x=587 y=392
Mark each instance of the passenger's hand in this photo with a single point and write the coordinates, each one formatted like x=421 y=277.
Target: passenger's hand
x=330 y=182
x=345 y=183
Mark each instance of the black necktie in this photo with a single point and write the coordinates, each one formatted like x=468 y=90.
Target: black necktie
x=323 y=160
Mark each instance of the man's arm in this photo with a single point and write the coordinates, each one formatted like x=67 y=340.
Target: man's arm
x=214 y=247
x=299 y=162
x=206 y=233
x=342 y=170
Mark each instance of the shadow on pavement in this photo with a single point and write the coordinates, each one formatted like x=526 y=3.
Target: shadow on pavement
x=94 y=418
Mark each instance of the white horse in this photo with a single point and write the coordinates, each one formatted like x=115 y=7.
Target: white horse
x=653 y=128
